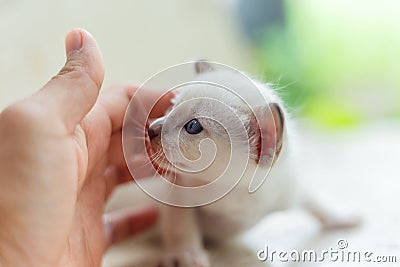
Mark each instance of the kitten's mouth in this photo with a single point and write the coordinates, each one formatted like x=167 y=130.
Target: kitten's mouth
x=157 y=158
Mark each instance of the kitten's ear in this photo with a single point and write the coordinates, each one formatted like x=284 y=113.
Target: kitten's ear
x=271 y=128
x=202 y=66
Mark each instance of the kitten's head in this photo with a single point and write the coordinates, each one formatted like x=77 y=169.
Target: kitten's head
x=207 y=123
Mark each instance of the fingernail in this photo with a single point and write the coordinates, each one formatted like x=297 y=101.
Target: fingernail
x=73 y=41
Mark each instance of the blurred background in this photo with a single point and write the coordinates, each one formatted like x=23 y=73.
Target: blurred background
x=334 y=62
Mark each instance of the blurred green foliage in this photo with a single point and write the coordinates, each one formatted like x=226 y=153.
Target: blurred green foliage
x=336 y=62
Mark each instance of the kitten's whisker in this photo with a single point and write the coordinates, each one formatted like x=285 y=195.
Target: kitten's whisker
x=160 y=167
x=158 y=154
x=173 y=180
x=156 y=157
x=136 y=122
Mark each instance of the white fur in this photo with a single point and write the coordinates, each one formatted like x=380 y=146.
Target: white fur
x=184 y=228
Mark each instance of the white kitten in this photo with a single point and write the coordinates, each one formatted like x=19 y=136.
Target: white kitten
x=265 y=145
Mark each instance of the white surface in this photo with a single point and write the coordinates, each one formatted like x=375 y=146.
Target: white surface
x=138 y=38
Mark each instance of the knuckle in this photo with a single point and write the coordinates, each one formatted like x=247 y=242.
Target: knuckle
x=73 y=64
x=76 y=69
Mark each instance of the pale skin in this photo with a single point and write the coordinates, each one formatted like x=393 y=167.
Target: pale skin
x=60 y=159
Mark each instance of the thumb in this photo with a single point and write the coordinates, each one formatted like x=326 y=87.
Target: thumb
x=74 y=90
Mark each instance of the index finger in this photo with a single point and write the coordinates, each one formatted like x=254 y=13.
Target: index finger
x=116 y=101
x=160 y=102
x=122 y=224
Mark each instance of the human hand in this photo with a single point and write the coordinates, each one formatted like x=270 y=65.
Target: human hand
x=60 y=159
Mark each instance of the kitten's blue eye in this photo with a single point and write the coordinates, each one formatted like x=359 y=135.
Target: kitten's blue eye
x=193 y=127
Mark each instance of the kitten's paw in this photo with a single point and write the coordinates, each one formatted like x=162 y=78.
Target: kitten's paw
x=184 y=258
